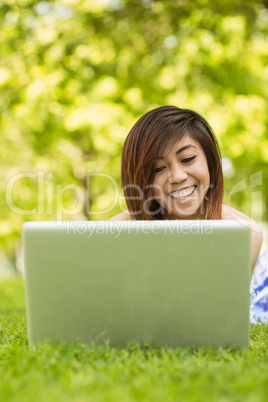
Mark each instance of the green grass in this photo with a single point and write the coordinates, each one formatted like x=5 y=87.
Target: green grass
x=79 y=373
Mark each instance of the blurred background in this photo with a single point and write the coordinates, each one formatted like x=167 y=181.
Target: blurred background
x=75 y=75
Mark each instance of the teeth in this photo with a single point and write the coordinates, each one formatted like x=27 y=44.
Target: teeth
x=179 y=195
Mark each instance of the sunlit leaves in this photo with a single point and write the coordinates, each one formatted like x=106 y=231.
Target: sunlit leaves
x=76 y=74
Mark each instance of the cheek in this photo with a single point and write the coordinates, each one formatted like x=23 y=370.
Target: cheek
x=158 y=185
x=203 y=173
x=206 y=179
x=206 y=174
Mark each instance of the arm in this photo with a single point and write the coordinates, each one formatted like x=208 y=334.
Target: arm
x=256 y=232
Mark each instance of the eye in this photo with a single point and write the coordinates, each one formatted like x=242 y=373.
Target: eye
x=159 y=169
x=187 y=160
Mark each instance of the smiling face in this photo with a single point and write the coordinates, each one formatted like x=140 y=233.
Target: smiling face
x=182 y=180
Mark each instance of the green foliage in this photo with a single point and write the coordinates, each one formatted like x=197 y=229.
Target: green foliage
x=79 y=373
x=76 y=74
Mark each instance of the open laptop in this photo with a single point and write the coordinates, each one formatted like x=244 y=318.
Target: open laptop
x=167 y=283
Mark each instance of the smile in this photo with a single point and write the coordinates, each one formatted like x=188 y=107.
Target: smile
x=182 y=194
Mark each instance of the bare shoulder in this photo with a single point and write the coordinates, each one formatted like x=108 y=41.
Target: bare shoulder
x=123 y=216
x=233 y=214
x=256 y=232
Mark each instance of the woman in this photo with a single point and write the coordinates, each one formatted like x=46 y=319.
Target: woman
x=171 y=169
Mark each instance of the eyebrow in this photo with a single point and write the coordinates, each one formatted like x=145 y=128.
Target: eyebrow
x=179 y=151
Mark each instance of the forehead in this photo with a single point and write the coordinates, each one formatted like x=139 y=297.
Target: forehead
x=185 y=143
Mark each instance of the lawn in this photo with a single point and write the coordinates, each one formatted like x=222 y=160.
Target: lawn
x=79 y=373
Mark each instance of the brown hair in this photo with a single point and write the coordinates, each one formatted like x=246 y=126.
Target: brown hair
x=151 y=134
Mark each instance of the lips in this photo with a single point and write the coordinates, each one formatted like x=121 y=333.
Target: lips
x=182 y=194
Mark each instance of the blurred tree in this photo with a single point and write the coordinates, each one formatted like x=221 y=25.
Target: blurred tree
x=76 y=74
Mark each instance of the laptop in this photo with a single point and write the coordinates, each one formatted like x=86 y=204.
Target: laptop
x=163 y=283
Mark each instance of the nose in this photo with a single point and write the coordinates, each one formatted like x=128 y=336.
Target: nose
x=177 y=174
